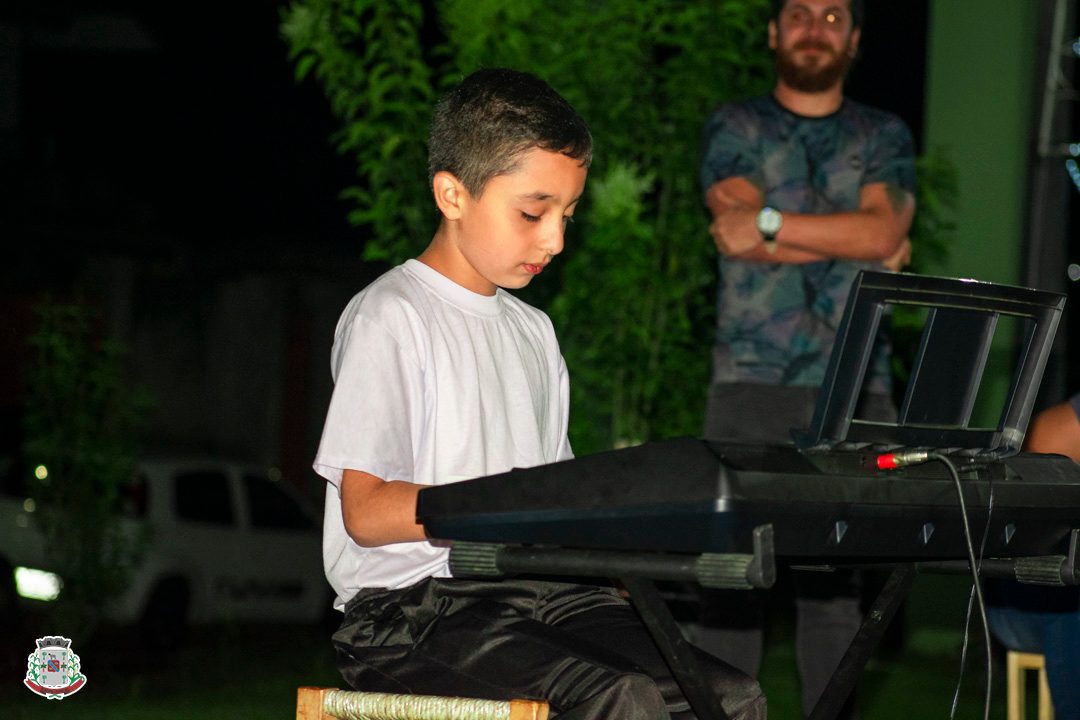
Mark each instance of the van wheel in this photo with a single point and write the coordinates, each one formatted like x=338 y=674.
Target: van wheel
x=164 y=622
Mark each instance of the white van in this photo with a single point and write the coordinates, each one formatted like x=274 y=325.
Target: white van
x=224 y=541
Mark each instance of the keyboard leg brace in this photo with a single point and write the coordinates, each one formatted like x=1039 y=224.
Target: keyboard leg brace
x=677 y=652
x=873 y=627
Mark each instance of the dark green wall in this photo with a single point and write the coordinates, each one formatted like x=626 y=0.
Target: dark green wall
x=979 y=100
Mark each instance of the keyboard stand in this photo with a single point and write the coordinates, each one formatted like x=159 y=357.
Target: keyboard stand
x=679 y=655
x=866 y=640
x=637 y=572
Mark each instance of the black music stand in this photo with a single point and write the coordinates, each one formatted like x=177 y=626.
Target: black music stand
x=948 y=368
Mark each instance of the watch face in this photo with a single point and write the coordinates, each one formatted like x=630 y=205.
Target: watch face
x=769 y=221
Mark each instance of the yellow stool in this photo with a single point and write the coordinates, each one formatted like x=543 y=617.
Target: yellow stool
x=315 y=703
x=1017 y=663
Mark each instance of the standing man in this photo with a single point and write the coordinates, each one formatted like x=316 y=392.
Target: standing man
x=805 y=188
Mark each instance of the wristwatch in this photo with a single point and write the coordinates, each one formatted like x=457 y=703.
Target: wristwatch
x=769 y=221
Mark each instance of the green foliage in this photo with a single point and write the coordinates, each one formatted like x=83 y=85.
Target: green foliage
x=366 y=55
x=621 y=239
x=82 y=426
x=933 y=232
x=631 y=297
x=633 y=305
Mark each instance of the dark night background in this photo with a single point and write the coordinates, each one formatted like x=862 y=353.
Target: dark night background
x=170 y=144
x=202 y=135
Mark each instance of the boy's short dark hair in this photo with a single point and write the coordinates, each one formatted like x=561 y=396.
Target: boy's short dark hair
x=855 y=6
x=483 y=126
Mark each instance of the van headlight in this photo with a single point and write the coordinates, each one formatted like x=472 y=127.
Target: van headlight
x=37 y=584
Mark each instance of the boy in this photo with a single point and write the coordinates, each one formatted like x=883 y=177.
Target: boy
x=441 y=375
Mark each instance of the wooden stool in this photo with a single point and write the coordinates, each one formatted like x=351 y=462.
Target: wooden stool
x=314 y=703
x=1017 y=664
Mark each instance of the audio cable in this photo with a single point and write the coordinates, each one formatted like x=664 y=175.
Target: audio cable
x=905 y=458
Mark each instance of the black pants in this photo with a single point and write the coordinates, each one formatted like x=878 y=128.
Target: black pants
x=581 y=648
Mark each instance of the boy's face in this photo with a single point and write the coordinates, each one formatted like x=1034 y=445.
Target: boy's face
x=507 y=235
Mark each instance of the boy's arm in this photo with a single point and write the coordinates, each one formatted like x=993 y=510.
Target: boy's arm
x=379 y=512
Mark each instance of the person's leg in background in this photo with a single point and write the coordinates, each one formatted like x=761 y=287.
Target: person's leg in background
x=1061 y=646
x=1053 y=634
x=828 y=605
x=827 y=616
x=730 y=625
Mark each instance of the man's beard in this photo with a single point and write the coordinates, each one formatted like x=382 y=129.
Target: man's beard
x=811 y=79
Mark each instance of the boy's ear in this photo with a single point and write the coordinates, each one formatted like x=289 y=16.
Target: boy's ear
x=450 y=194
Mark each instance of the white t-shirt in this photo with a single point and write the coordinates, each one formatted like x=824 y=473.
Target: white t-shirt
x=433 y=383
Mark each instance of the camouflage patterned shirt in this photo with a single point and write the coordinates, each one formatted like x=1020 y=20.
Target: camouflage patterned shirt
x=775 y=321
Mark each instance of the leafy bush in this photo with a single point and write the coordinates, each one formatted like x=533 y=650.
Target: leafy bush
x=932 y=234
x=367 y=56
x=82 y=427
x=632 y=297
